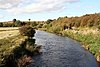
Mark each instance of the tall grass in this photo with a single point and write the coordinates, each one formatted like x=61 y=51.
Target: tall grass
x=8 y=44
x=89 y=41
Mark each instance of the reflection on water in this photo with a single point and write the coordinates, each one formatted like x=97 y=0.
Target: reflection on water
x=60 y=51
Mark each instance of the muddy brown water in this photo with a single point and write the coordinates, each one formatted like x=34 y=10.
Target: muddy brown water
x=58 y=51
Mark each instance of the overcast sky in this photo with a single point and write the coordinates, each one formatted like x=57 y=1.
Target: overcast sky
x=46 y=9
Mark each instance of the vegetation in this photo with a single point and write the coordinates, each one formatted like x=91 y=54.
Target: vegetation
x=18 y=23
x=88 y=20
x=7 y=46
x=1 y=24
x=27 y=31
x=29 y=20
x=99 y=27
x=17 y=51
x=85 y=29
x=14 y=20
x=90 y=40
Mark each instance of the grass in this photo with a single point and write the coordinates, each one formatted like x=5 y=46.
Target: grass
x=89 y=41
x=8 y=28
x=8 y=44
x=14 y=47
x=89 y=37
x=8 y=32
x=8 y=41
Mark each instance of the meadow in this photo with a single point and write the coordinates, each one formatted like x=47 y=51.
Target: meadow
x=17 y=46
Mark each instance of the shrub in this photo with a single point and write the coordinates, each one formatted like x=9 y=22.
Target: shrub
x=49 y=21
x=65 y=27
x=77 y=24
x=99 y=27
x=56 y=29
x=39 y=25
x=27 y=31
x=44 y=26
x=18 y=23
x=1 y=24
x=34 y=24
x=48 y=26
x=7 y=24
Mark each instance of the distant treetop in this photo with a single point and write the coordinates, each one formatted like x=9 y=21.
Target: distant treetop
x=14 y=20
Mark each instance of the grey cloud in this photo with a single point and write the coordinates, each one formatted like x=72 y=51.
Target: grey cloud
x=6 y=4
x=30 y=6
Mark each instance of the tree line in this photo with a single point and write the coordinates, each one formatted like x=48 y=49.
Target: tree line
x=18 y=23
x=62 y=23
x=88 y=20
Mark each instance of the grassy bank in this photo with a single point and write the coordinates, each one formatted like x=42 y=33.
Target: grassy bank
x=89 y=38
x=8 y=41
x=7 y=45
x=16 y=50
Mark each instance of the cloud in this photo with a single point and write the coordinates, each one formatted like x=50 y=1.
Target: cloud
x=1 y=16
x=37 y=6
x=6 y=4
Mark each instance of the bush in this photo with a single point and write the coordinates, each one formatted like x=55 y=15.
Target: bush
x=1 y=24
x=99 y=27
x=39 y=25
x=18 y=23
x=27 y=31
x=77 y=24
x=6 y=24
x=49 y=21
x=34 y=24
x=56 y=29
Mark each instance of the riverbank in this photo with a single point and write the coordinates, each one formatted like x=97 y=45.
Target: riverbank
x=8 y=41
x=7 y=45
x=89 y=38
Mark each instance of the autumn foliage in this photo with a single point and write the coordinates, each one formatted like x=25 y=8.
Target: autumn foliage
x=88 y=20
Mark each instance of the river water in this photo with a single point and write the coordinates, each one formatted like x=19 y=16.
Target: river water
x=58 y=51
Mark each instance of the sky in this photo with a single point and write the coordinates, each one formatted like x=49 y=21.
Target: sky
x=41 y=10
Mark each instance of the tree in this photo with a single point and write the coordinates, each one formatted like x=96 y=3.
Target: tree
x=28 y=23
x=29 y=20
x=14 y=20
x=18 y=23
x=48 y=21
x=65 y=17
x=27 y=31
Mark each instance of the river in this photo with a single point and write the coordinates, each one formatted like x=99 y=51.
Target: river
x=58 y=51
